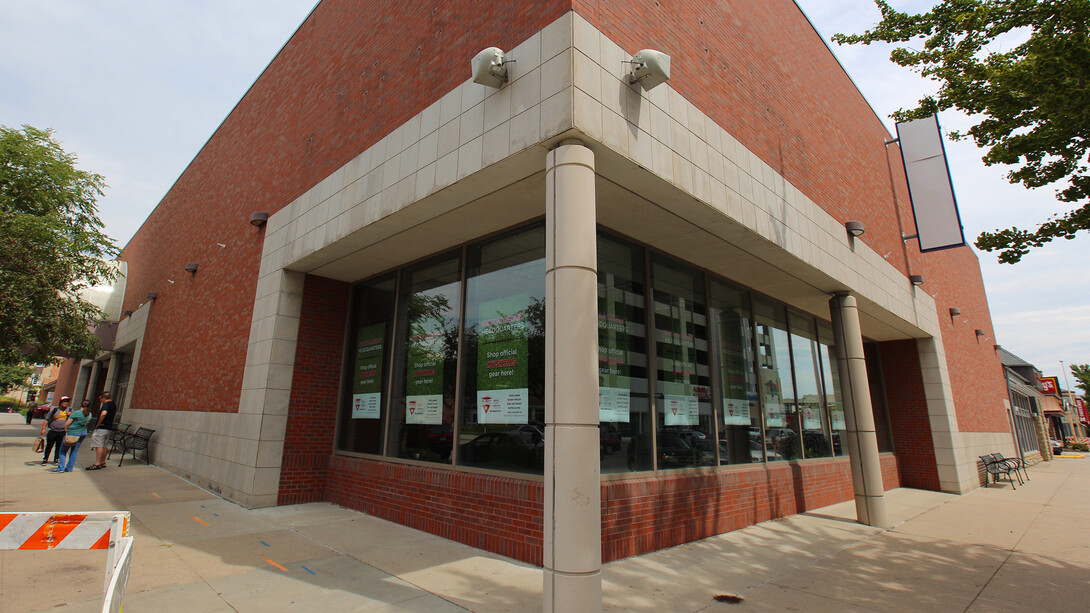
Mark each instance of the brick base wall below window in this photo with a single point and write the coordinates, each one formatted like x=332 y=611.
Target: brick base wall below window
x=504 y=515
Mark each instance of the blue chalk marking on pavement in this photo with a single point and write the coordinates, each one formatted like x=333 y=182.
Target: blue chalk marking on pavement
x=215 y=515
x=265 y=544
x=308 y=570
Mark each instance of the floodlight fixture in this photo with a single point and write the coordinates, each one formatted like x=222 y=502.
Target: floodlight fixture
x=916 y=279
x=490 y=67
x=259 y=218
x=854 y=228
x=954 y=311
x=650 y=68
x=191 y=267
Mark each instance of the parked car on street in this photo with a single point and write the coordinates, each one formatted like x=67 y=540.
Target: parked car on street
x=1057 y=447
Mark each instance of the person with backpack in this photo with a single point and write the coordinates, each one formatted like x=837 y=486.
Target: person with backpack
x=53 y=429
x=75 y=432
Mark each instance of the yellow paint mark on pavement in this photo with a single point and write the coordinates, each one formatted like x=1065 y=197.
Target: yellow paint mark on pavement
x=156 y=495
x=194 y=518
x=275 y=564
x=1069 y=456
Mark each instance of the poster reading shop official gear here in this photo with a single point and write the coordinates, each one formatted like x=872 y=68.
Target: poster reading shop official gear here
x=367 y=386
x=424 y=383
x=614 y=398
x=502 y=349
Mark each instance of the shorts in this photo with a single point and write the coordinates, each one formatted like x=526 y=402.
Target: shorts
x=98 y=437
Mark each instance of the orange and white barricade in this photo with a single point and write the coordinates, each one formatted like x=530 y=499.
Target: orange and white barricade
x=107 y=530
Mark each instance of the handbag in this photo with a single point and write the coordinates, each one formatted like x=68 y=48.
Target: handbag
x=71 y=440
x=39 y=445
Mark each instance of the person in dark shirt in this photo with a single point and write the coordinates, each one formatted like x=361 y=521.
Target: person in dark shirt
x=102 y=429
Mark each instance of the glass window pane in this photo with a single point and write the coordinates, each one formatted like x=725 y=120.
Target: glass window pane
x=503 y=414
x=624 y=408
x=740 y=428
x=805 y=354
x=362 y=416
x=686 y=430
x=831 y=386
x=777 y=384
x=422 y=417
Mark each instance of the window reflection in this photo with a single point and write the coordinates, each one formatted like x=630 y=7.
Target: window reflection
x=831 y=386
x=740 y=440
x=503 y=399
x=777 y=384
x=624 y=411
x=685 y=435
x=363 y=415
x=808 y=400
x=422 y=420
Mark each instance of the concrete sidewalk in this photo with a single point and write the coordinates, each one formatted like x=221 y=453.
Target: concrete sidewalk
x=995 y=549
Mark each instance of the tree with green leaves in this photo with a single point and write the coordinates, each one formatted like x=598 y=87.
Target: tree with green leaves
x=14 y=375
x=51 y=248
x=1032 y=99
x=1081 y=373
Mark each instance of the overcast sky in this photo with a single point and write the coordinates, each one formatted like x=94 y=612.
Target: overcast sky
x=135 y=88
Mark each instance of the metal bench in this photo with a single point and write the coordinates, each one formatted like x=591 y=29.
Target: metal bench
x=135 y=441
x=995 y=469
x=1017 y=463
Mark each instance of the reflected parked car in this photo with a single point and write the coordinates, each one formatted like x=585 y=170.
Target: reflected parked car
x=679 y=448
x=608 y=442
x=504 y=449
x=41 y=411
x=1057 y=446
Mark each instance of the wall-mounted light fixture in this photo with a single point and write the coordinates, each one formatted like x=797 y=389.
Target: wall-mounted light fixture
x=916 y=279
x=153 y=295
x=996 y=347
x=650 y=68
x=854 y=228
x=979 y=332
x=259 y=218
x=128 y=313
x=191 y=267
x=489 y=67
x=954 y=311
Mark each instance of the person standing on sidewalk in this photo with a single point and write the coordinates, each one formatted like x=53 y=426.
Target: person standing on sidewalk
x=101 y=431
x=76 y=427
x=55 y=421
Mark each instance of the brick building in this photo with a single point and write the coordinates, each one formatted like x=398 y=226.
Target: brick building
x=566 y=308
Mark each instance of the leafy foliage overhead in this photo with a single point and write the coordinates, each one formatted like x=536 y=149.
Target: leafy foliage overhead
x=51 y=247
x=1032 y=99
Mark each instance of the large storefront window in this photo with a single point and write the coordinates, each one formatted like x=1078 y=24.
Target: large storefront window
x=446 y=364
x=624 y=408
x=811 y=405
x=371 y=324
x=740 y=427
x=503 y=383
x=422 y=413
x=777 y=383
x=831 y=384
x=686 y=430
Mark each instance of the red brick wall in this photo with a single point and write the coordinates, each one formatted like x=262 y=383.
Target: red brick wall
x=647 y=514
x=912 y=439
x=760 y=70
x=312 y=408
x=355 y=70
x=504 y=515
x=497 y=514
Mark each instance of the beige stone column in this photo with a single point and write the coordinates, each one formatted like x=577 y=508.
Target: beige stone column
x=870 y=502
x=112 y=372
x=573 y=516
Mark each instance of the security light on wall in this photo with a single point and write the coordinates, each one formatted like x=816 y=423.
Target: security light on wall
x=979 y=332
x=153 y=295
x=954 y=311
x=490 y=67
x=650 y=68
x=916 y=279
x=191 y=267
x=259 y=219
x=854 y=228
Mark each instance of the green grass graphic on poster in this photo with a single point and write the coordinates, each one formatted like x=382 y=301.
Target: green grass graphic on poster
x=367 y=385
x=681 y=407
x=502 y=349
x=735 y=370
x=424 y=381
x=614 y=396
